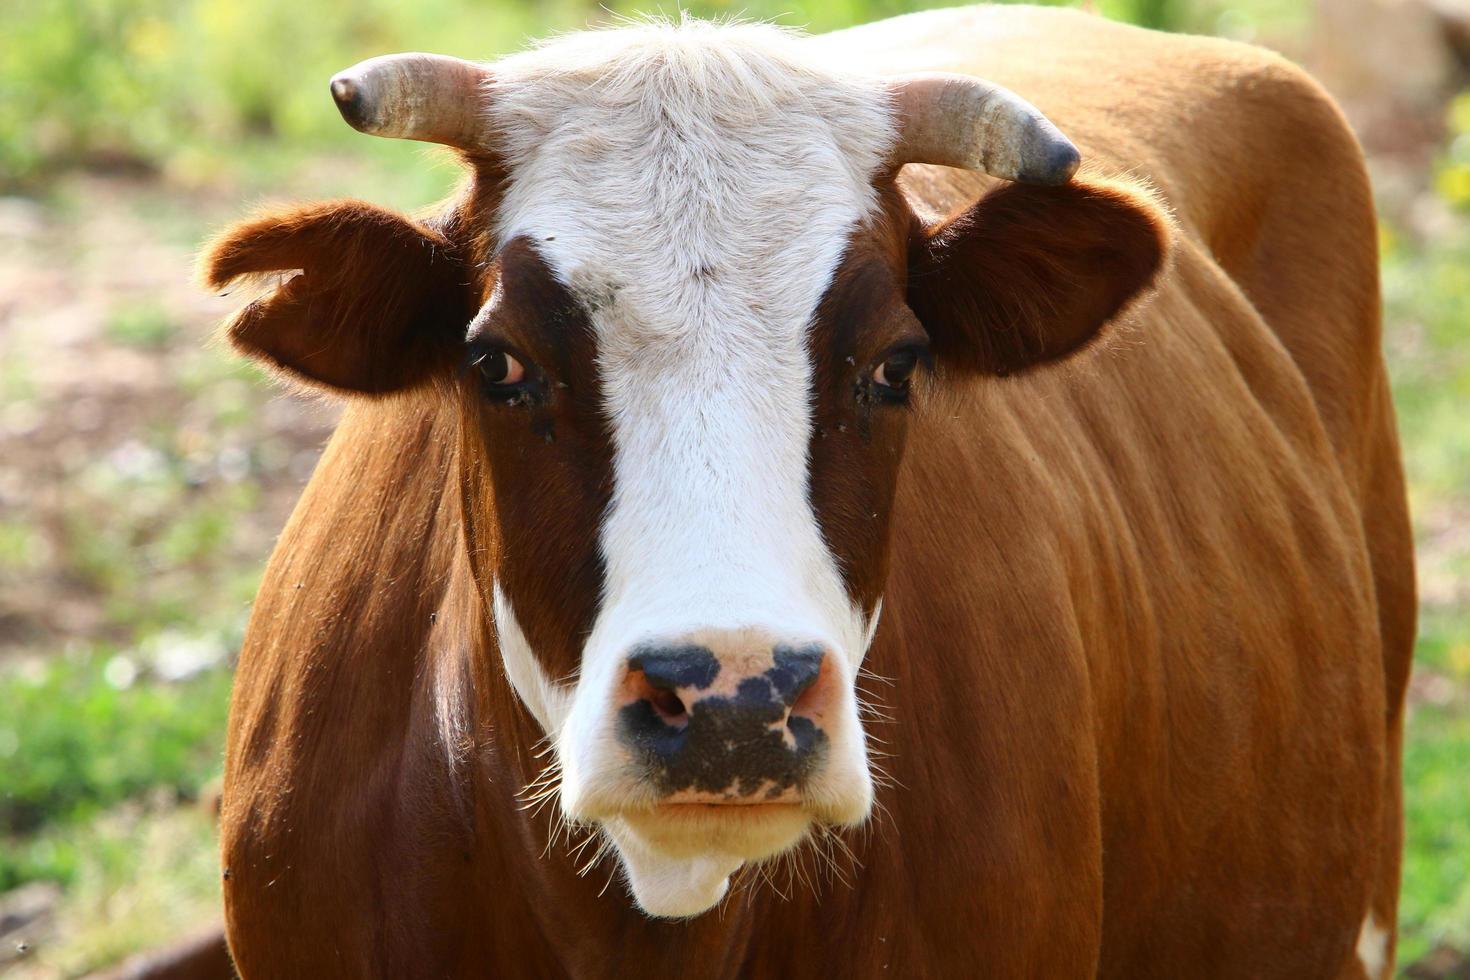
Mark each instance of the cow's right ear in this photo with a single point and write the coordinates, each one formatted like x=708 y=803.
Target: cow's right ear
x=370 y=301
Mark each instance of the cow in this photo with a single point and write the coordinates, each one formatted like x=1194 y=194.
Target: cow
x=918 y=501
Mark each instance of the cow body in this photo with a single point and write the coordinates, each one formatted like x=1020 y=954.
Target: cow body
x=1146 y=621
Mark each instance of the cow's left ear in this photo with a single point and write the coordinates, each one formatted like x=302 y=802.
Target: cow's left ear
x=1030 y=275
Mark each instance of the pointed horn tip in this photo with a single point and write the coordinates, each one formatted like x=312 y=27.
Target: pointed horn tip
x=344 y=89
x=347 y=94
x=1054 y=164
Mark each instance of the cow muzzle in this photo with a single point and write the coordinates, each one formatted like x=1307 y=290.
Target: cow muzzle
x=744 y=726
x=716 y=748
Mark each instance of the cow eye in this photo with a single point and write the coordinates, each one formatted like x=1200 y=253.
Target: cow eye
x=500 y=369
x=896 y=370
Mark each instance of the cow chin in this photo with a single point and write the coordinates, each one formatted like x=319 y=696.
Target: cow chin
x=679 y=850
x=671 y=887
x=679 y=859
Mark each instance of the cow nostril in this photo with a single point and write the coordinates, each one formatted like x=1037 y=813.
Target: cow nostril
x=669 y=707
x=805 y=681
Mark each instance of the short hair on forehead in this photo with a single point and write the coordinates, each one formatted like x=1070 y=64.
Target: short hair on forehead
x=696 y=76
x=676 y=56
x=706 y=175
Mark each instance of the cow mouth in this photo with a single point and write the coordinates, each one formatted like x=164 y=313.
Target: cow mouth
x=719 y=822
x=771 y=794
x=742 y=807
x=749 y=831
x=679 y=850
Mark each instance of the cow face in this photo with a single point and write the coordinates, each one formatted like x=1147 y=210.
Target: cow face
x=683 y=313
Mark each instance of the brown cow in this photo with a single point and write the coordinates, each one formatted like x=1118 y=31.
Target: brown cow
x=696 y=402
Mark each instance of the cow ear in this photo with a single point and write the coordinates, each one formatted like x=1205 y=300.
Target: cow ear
x=365 y=300
x=1030 y=275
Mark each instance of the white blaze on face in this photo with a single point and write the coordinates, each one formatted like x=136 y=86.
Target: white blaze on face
x=695 y=187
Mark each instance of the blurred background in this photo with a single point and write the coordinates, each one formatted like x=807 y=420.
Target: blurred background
x=144 y=473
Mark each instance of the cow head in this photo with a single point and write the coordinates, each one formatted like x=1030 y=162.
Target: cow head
x=683 y=312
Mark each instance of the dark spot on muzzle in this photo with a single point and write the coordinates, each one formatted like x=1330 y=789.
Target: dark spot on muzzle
x=729 y=745
x=669 y=668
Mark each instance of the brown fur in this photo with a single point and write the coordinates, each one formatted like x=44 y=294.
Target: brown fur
x=1146 y=622
x=1029 y=275
x=366 y=298
x=535 y=479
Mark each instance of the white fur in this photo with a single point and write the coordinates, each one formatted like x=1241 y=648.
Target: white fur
x=547 y=701
x=871 y=630
x=671 y=887
x=1373 y=948
x=695 y=186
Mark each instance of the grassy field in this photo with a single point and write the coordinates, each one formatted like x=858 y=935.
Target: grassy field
x=144 y=473
x=1428 y=304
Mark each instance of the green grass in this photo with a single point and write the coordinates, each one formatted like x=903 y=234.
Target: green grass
x=144 y=326
x=141 y=875
x=157 y=560
x=1435 y=905
x=84 y=732
x=1427 y=295
x=1427 y=300
x=20 y=546
x=102 y=764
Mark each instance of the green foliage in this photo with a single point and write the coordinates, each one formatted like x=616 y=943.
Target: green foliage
x=1453 y=179
x=141 y=325
x=81 y=733
x=192 y=85
x=1427 y=299
x=1435 y=904
x=168 y=533
x=151 y=79
x=19 y=546
x=139 y=876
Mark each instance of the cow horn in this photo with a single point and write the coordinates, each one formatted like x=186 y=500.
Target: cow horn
x=427 y=97
x=967 y=122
